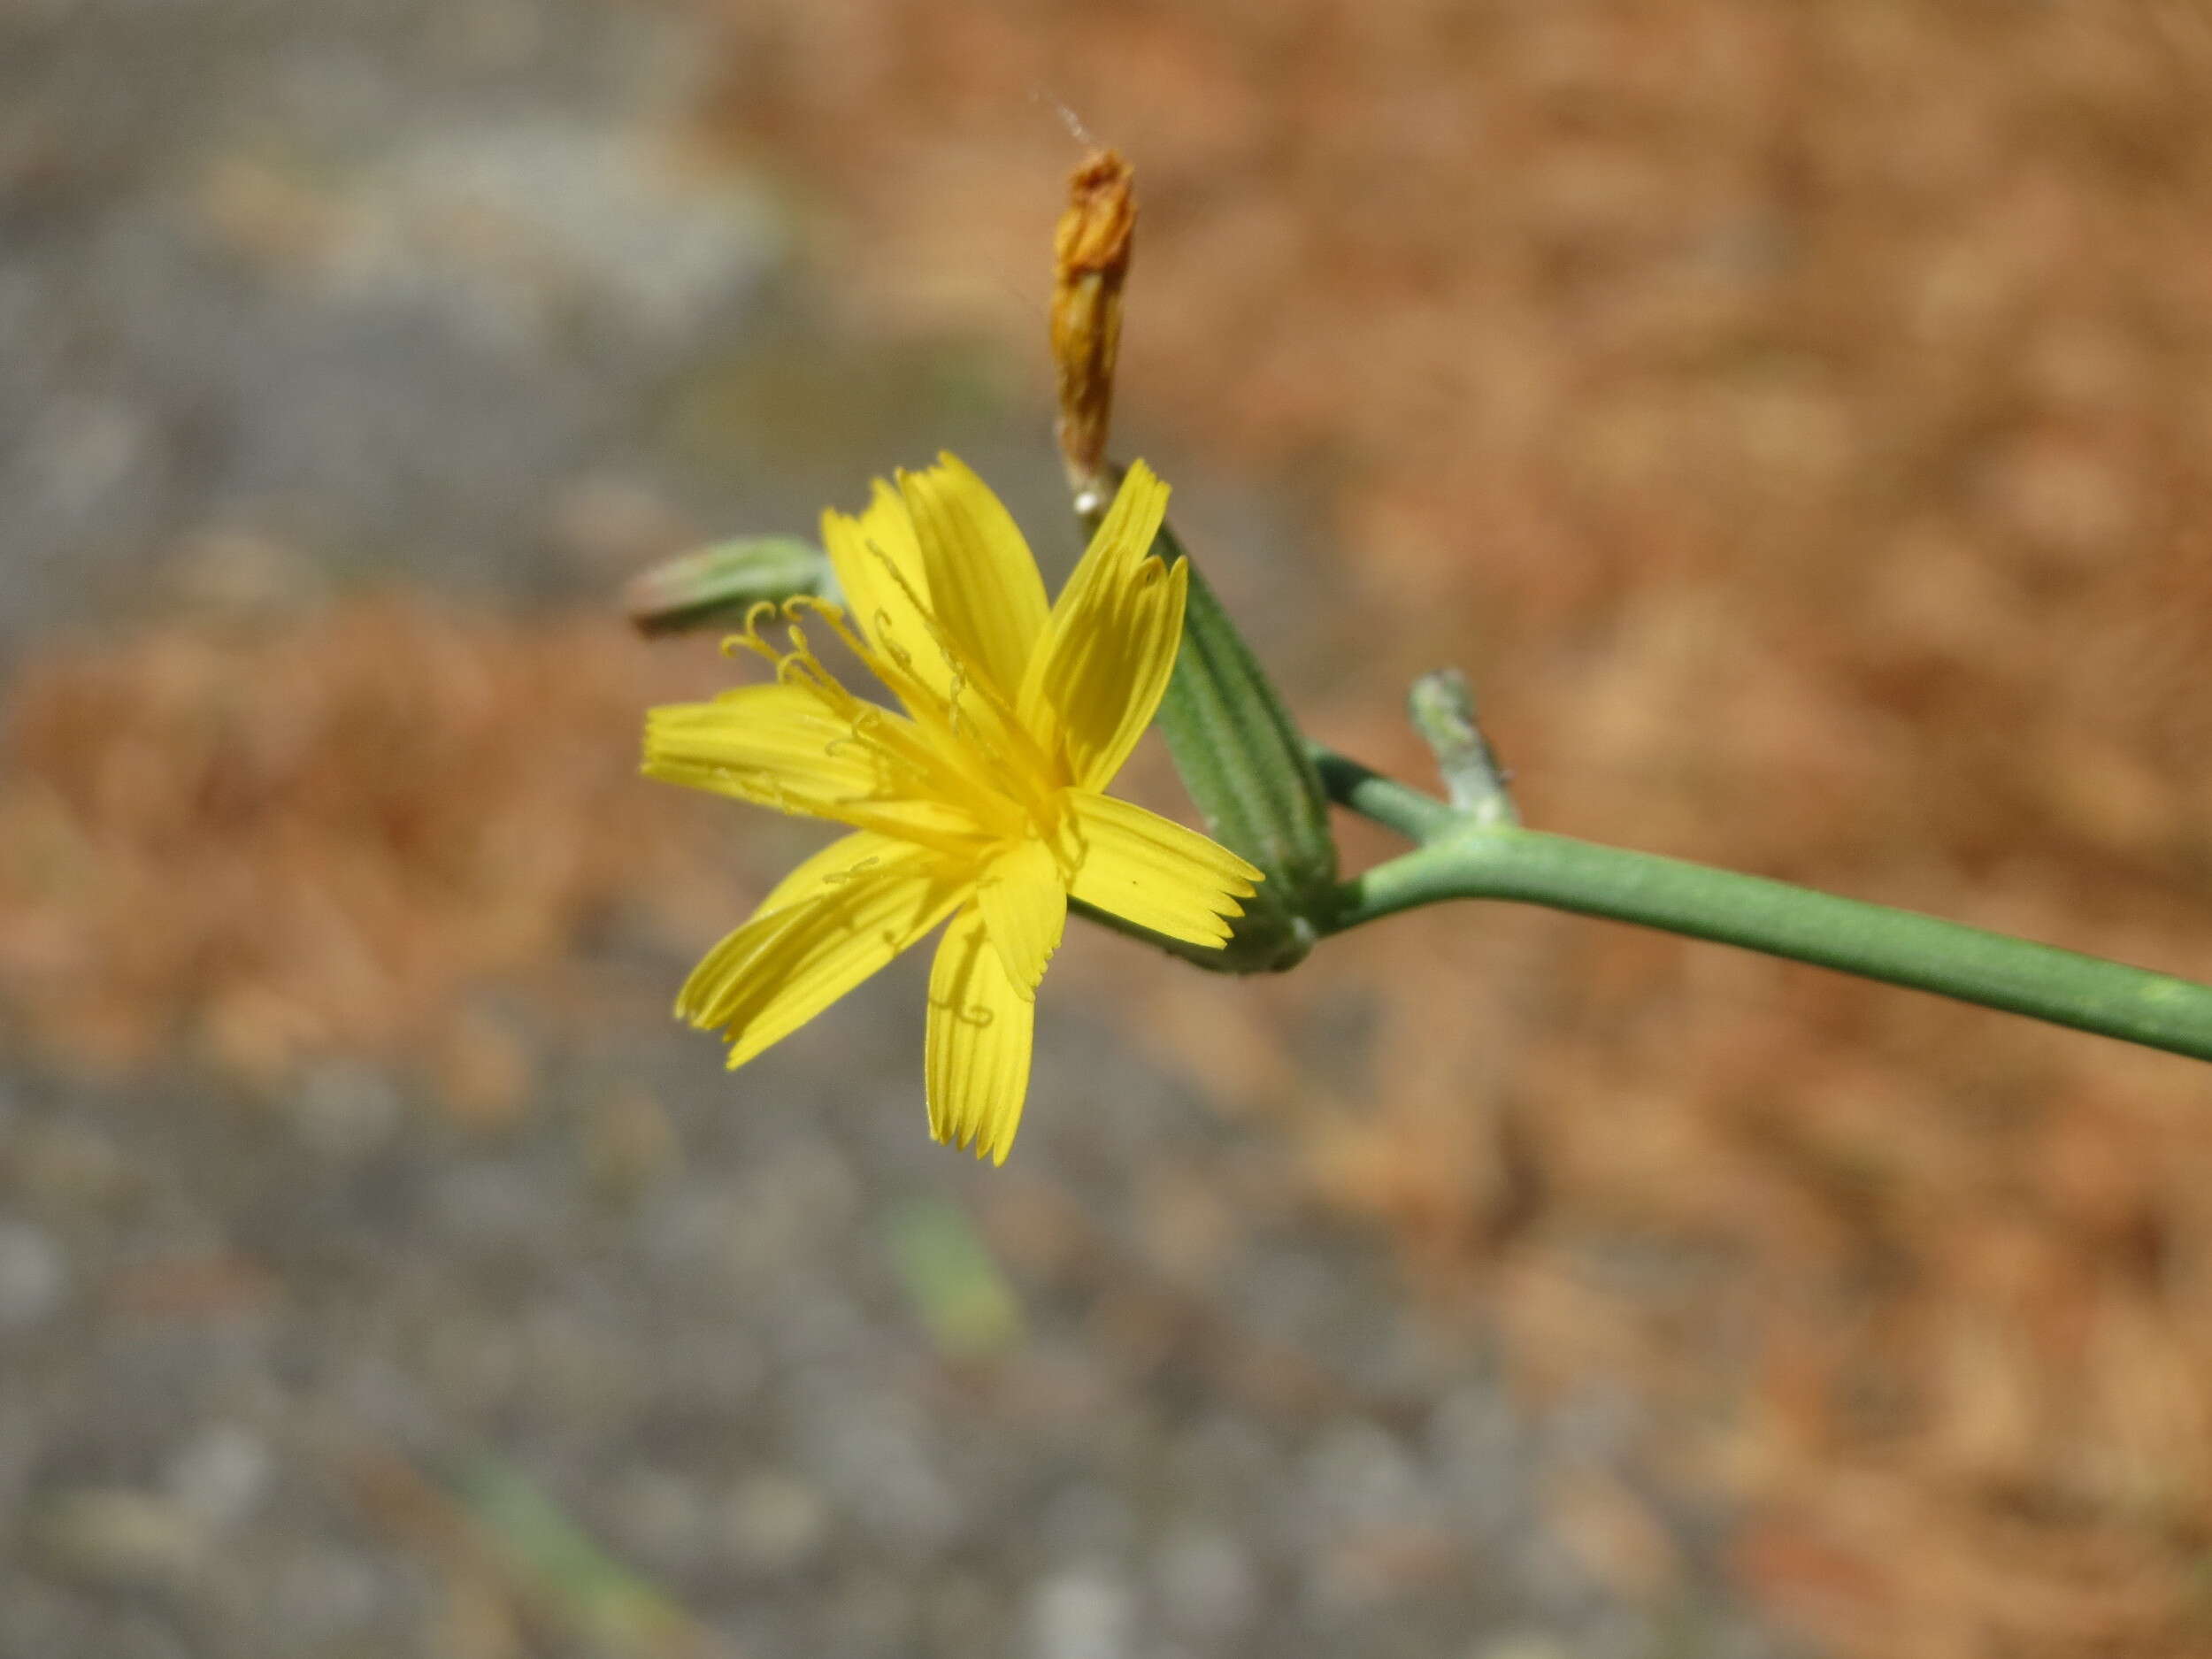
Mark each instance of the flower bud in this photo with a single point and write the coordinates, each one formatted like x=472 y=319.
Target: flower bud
x=1090 y=259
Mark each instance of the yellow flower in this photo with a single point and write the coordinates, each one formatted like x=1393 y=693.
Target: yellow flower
x=982 y=801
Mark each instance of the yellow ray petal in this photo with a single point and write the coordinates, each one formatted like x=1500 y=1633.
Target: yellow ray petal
x=848 y=858
x=1124 y=537
x=977 y=1062
x=1024 y=906
x=870 y=898
x=780 y=745
x=955 y=699
x=1111 y=646
x=757 y=733
x=1153 y=871
x=878 y=564
x=983 y=583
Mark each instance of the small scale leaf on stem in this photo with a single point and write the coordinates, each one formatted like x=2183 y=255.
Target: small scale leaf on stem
x=1442 y=706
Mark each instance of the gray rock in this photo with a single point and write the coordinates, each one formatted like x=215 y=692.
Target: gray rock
x=1087 y=1519
x=120 y=1537
x=33 y=1276
x=222 y=1475
x=1478 y=1446
x=774 y=1524
x=1206 y=1584
x=347 y=1109
x=663 y=1520
x=1521 y=1645
x=873 y=1453
x=1082 y=1613
x=1361 y=1477
x=327 y=1593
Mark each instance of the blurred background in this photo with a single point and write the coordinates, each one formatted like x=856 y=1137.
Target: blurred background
x=1792 y=417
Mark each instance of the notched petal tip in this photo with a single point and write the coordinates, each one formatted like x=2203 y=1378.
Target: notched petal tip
x=977 y=1052
x=1140 y=474
x=986 y=597
x=886 y=512
x=1156 y=873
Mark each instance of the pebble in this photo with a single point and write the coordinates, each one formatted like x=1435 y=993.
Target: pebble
x=873 y=1451
x=1206 y=1584
x=33 y=1276
x=964 y=1614
x=326 y=1592
x=1081 y=1613
x=1479 y=1446
x=488 y=1205
x=346 y=1109
x=774 y=1524
x=807 y=1196
x=1359 y=1477
x=1087 y=1519
x=1224 y=1464
x=867 y=1613
x=120 y=1537
x=1521 y=1645
x=662 y=1518
x=222 y=1475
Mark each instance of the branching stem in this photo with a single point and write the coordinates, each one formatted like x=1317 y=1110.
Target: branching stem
x=1459 y=857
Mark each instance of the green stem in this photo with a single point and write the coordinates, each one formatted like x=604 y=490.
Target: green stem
x=1459 y=861
x=1394 y=805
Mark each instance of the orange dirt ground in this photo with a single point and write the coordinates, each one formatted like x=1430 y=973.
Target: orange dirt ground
x=1793 y=417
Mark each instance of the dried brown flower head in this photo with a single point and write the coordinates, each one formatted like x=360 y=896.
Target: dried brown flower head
x=1090 y=261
